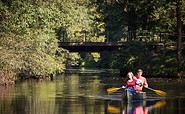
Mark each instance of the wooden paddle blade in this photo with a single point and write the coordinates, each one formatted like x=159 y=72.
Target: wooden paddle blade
x=111 y=90
x=159 y=92
x=159 y=104
x=113 y=110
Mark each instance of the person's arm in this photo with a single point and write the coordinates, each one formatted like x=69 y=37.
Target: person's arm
x=145 y=84
x=139 y=82
x=134 y=78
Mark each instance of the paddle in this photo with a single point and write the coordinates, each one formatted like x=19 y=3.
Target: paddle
x=159 y=92
x=113 y=110
x=159 y=104
x=111 y=90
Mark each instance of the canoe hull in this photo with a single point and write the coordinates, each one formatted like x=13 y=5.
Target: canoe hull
x=129 y=96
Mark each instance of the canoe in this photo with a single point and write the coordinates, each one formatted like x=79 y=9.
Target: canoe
x=130 y=96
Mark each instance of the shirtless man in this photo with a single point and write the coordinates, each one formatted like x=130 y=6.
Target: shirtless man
x=140 y=81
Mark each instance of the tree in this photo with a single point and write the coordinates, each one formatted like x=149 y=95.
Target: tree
x=82 y=21
x=28 y=41
x=179 y=37
x=159 y=16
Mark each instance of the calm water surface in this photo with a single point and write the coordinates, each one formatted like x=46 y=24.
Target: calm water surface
x=85 y=93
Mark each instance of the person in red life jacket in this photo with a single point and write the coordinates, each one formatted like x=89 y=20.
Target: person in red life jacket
x=140 y=81
x=130 y=82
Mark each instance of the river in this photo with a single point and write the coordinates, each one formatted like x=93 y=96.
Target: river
x=85 y=93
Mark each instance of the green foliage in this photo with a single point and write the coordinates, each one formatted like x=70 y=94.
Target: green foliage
x=164 y=65
x=151 y=16
x=124 y=15
x=79 y=21
x=28 y=42
x=72 y=59
x=153 y=62
x=131 y=58
x=90 y=60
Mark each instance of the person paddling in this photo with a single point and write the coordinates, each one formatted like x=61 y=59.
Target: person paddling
x=140 y=81
x=130 y=82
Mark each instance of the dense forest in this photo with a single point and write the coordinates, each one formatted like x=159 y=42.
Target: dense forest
x=30 y=31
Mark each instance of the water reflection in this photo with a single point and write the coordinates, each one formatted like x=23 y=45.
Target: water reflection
x=138 y=107
x=85 y=94
x=6 y=99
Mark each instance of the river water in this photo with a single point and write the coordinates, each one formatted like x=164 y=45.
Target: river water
x=85 y=93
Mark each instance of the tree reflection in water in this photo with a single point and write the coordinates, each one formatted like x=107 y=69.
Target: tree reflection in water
x=85 y=94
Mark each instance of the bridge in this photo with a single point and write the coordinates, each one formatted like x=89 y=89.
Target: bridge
x=142 y=37
x=100 y=46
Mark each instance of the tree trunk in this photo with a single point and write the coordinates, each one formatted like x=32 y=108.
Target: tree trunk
x=179 y=38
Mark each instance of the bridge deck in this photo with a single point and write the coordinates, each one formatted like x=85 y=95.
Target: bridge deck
x=99 y=46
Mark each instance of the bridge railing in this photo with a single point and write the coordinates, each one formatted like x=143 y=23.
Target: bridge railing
x=127 y=36
x=144 y=36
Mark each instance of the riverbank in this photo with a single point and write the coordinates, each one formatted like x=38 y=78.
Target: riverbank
x=4 y=81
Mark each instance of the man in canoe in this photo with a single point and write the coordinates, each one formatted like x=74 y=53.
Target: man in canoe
x=134 y=86
x=140 y=81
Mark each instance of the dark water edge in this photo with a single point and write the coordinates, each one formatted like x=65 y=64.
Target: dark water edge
x=116 y=72
x=86 y=71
